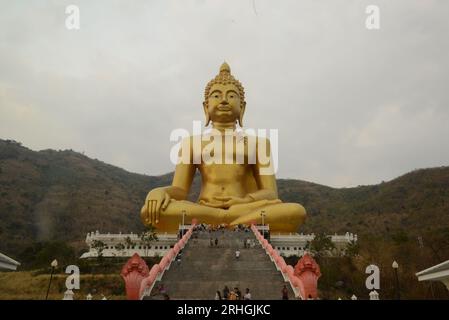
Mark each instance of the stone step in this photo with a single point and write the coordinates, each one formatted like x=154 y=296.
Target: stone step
x=204 y=269
x=207 y=289
x=223 y=276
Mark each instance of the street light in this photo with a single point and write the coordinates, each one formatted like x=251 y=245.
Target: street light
x=183 y=221
x=54 y=265
x=262 y=214
x=68 y=295
x=395 y=266
x=373 y=295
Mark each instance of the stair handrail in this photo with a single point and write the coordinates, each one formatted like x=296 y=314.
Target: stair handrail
x=287 y=271
x=157 y=270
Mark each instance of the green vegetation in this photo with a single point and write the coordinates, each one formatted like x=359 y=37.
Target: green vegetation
x=28 y=285
x=50 y=200
x=344 y=276
x=99 y=247
x=97 y=276
x=40 y=254
x=321 y=245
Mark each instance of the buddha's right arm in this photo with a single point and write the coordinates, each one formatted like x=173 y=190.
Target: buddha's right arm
x=182 y=180
x=184 y=173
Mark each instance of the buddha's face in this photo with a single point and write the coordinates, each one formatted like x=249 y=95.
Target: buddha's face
x=224 y=103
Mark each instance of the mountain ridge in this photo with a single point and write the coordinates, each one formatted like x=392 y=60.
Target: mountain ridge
x=62 y=195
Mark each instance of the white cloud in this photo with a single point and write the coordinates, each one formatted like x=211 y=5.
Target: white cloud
x=352 y=106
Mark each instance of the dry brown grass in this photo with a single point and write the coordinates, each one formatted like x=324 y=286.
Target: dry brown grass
x=24 y=285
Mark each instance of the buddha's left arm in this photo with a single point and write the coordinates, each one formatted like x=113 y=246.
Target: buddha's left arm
x=263 y=173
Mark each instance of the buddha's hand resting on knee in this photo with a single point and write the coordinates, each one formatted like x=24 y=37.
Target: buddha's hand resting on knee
x=156 y=201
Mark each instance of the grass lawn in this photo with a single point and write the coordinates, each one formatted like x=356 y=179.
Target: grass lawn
x=32 y=285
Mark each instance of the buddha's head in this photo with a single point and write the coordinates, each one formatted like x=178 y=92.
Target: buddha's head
x=224 y=98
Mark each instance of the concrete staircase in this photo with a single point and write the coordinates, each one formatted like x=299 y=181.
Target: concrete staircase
x=204 y=269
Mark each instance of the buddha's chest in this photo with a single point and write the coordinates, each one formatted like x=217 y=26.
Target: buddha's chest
x=229 y=151
x=220 y=173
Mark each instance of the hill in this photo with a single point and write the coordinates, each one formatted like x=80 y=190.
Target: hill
x=416 y=203
x=62 y=195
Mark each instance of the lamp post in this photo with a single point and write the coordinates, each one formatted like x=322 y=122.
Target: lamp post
x=183 y=221
x=68 y=295
x=54 y=265
x=262 y=214
x=373 y=295
x=395 y=266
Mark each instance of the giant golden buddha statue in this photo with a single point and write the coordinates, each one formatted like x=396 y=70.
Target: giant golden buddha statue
x=232 y=192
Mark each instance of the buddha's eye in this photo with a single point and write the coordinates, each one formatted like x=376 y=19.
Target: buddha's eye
x=216 y=96
x=231 y=96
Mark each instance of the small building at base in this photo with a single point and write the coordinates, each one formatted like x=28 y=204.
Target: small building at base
x=440 y=272
x=125 y=245
x=295 y=244
x=7 y=263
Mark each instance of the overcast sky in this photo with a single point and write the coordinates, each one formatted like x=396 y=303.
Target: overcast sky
x=353 y=106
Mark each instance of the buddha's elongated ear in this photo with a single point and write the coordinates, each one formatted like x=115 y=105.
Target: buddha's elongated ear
x=242 y=112
x=206 y=113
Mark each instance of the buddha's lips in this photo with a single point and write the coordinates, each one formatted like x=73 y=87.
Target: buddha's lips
x=224 y=109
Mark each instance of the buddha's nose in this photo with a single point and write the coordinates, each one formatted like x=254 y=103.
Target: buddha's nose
x=224 y=101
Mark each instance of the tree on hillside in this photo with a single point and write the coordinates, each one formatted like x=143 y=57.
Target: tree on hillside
x=400 y=237
x=321 y=245
x=438 y=243
x=40 y=254
x=99 y=247
x=147 y=237
x=352 y=249
x=129 y=243
x=120 y=247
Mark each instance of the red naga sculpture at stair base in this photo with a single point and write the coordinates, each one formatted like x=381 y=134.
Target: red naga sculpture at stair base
x=308 y=271
x=133 y=272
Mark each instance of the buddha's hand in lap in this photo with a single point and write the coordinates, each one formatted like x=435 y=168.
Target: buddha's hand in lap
x=228 y=201
x=156 y=201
